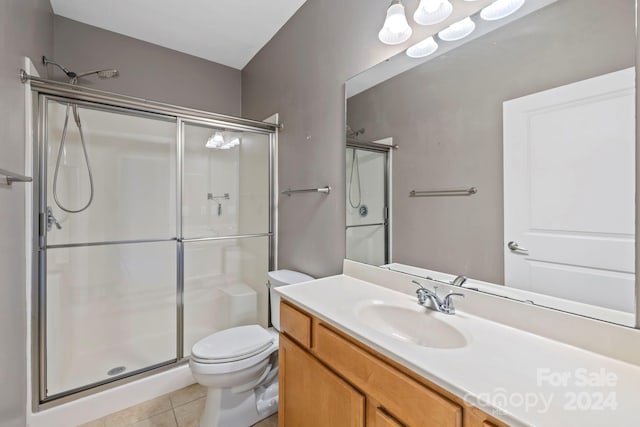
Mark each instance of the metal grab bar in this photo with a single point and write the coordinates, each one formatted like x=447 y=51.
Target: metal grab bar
x=439 y=193
x=325 y=190
x=11 y=177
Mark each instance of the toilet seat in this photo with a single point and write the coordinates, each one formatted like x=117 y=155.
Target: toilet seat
x=232 y=344
x=232 y=350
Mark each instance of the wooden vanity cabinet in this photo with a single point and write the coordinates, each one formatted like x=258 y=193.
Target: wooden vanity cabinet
x=313 y=396
x=329 y=379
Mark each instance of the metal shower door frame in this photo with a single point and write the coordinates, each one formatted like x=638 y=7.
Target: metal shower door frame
x=104 y=101
x=387 y=151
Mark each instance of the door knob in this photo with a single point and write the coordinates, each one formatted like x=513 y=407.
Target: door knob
x=514 y=247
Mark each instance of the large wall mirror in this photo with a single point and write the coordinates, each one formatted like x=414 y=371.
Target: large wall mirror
x=507 y=157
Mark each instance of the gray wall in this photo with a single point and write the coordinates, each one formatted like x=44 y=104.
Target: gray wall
x=446 y=116
x=146 y=70
x=26 y=28
x=300 y=74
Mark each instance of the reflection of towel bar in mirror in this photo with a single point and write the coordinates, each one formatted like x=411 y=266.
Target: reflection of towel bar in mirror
x=325 y=190
x=10 y=177
x=449 y=192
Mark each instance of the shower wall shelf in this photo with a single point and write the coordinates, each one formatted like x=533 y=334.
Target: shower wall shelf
x=447 y=192
x=325 y=190
x=10 y=177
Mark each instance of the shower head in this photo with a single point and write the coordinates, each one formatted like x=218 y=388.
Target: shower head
x=108 y=74
x=103 y=74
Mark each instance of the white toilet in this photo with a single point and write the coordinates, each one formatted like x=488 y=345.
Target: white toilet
x=239 y=366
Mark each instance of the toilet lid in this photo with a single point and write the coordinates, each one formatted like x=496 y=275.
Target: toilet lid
x=233 y=344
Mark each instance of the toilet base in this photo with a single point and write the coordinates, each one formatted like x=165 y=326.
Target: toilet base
x=224 y=408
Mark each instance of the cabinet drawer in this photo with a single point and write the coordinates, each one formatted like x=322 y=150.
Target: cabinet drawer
x=413 y=403
x=295 y=324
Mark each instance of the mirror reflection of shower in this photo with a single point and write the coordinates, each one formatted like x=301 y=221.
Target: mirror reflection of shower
x=367 y=201
x=355 y=202
x=355 y=168
x=73 y=79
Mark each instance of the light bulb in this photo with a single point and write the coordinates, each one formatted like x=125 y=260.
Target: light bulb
x=458 y=30
x=500 y=9
x=396 y=29
x=431 y=12
x=215 y=141
x=425 y=48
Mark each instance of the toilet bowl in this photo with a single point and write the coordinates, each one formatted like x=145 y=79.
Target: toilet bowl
x=239 y=366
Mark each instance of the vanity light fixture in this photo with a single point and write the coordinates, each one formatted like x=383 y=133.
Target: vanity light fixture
x=215 y=141
x=500 y=9
x=431 y=12
x=458 y=30
x=233 y=143
x=424 y=48
x=218 y=142
x=396 y=29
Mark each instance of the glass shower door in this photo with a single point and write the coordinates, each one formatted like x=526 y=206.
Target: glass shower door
x=226 y=217
x=367 y=206
x=108 y=244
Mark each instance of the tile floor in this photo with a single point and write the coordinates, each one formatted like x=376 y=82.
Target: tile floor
x=182 y=408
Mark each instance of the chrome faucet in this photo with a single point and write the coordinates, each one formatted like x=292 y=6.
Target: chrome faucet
x=443 y=305
x=458 y=281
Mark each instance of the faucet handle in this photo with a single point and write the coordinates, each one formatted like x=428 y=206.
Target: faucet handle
x=415 y=282
x=447 y=304
x=421 y=293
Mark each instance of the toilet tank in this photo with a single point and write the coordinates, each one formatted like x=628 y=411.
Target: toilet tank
x=282 y=278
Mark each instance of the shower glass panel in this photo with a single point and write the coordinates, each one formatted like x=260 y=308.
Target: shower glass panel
x=133 y=163
x=366 y=186
x=226 y=182
x=224 y=286
x=109 y=271
x=111 y=310
x=366 y=244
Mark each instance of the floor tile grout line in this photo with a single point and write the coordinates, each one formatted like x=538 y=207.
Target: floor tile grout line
x=175 y=417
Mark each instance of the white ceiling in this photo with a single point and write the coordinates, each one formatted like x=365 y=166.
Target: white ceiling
x=228 y=32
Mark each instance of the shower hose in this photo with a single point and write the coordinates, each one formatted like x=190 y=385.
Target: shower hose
x=76 y=117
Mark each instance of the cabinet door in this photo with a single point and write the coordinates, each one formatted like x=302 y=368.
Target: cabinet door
x=411 y=402
x=474 y=417
x=313 y=396
x=377 y=417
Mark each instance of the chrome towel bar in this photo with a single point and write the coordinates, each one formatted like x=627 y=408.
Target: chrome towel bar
x=10 y=177
x=449 y=192
x=325 y=190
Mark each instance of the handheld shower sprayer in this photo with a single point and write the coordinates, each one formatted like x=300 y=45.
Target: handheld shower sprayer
x=73 y=76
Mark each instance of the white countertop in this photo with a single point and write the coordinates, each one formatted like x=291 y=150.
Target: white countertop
x=499 y=370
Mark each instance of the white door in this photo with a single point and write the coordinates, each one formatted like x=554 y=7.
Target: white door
x=569 y=190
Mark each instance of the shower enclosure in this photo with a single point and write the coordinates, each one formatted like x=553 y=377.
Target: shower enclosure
x=368 y=195
x=174 y=246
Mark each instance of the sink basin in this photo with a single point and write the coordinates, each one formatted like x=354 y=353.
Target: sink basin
x=417 y=325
